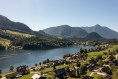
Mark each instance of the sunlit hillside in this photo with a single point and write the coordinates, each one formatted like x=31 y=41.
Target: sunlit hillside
x=17 y=33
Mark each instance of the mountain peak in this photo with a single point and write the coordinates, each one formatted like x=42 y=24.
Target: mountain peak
x=64 y=26
x=93 y=36
x=66 y=31
x=3 y=18
x=6 y=23
x=97 y=25
x=102 y=30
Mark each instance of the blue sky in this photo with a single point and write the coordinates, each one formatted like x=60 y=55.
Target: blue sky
x=41 y=14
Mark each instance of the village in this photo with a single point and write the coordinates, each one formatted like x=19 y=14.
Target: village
x=98 y=63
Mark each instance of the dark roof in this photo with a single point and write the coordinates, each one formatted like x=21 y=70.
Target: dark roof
x=60 y=71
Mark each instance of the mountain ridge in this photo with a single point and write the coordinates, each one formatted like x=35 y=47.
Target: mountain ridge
x=58 y=31
x=7 y=24
x=93 y=36
x=102 y=30
x=65 y=31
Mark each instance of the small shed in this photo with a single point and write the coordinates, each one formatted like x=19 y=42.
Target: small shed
x=36 y=76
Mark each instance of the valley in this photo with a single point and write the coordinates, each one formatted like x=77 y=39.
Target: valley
x=85 y=52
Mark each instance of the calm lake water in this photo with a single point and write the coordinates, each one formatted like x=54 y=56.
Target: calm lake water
x=31 y=57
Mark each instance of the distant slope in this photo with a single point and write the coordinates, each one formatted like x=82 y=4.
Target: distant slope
x=103 y=31
x=93 y=36
x=66 y=31
x=59 y=31
x=18 y=33
x=5 y=23
x=43 y=33
x=13 y=35
x=12 y=39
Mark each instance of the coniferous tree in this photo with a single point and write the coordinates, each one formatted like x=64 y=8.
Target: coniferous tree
x=11 y=68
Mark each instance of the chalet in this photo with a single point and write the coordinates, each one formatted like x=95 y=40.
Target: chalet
x=22 y=70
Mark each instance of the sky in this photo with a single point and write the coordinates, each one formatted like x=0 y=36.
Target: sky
x=41 y=14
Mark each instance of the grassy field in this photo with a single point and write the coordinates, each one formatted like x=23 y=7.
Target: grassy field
x=18 y=33
x=58 y=67
x=28 y=76
x=73 y=78
x=95 y=54
x=96 y=76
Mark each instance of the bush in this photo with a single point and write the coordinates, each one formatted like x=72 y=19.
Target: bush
x=2 y=47
x=0 y=71
x=78 y=64
x=66 y=55
x=11 y=68
x=49 y=77
x=46 y=61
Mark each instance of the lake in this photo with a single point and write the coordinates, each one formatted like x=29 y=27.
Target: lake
x=31 y=57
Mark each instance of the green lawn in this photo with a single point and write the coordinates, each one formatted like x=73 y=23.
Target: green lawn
x=96 y=76
x=3 y=74
x=88 y=73
x=95 y=54
x=28 y=76
x=73 y=78
x=57 y=67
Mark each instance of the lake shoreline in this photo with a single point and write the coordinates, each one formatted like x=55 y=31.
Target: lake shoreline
x=32 y=56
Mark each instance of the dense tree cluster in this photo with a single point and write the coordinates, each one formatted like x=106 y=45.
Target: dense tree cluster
x=2 y=47
x=39 y=43
x=34 y=42
x=84 y=50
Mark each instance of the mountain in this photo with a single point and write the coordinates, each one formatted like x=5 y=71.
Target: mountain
x=66 y=31
x=93 y=36
x=103 y=31
x=58 y=31
x=5 y=23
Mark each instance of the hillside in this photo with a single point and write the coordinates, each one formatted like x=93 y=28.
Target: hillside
x=5 y=23
x=18 y=33
x=66 y=31
x=17 y=40
x=103 y=31
x=63 y=31
x=81 y=32
x=93 y=36
x=12 y=35
x=9 y=39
